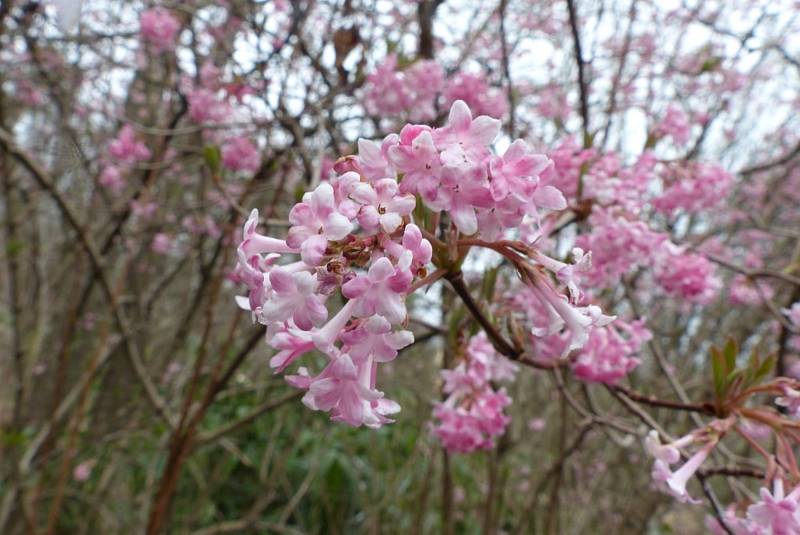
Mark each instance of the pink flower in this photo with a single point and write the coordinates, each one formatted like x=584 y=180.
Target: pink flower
x=389 y=91
x=206 y=107
x=294 y=297
x=83 y=471
x=472 y=415
x=325 y=337
x=254 y=243
x=517 y=173
x=382 y=206
x=465 y=429
x=577 y=320
x=160 y=28
x=674 y=483
x=341 y=389
x=374 y=337
x=474 y=90
x=382 y=290
x=460 y=193
x=745 y=291
x=735 y=524
x=675 y=124
x=464 y=140
x=373 y=158
x=567 y=274
x=386 y=94
x=162 y=243
x=418 y=158
x=111 y=178
x=667 y=453
x=687 y=275
x=239 y=154
x=413 y=242
x=608 y=356
x=126 y=149
x=486 y=364
x=775 y=512
x=292 y=343
x=314 y=222
x=618 y=246
x=693 y=188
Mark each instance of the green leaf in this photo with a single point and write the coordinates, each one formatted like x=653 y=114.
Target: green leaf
x=14 y=247
x=456 y=318
x=489 y=282
x=765 y=368
x=213 y=157
x=710 y=64
x=718 y=369
x=13 y=438
x=422 y=214
x=730 y=351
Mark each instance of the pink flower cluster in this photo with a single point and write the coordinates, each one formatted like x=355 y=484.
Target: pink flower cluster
x=240 y=154
x=619 y=245
x=776 y=513
x=693 y=188
x=674 y=482
x=690 y=276
x=608 y=355
x=472 y=415
x=355 y=235
x=479 y=95
x=604 y=352
x=413 y=91
x=390 y=91
x=207 y=106
x=745 y=291
x=453 y=170
x=159 y=28
x=290 y=298
x=125 y=150
x=557 y=325
x=674 y=124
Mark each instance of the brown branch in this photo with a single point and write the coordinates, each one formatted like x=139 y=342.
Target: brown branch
x=733 y=472
x=45 y=182
x=500 y=343
x=715 y=505
x=426 y=11
x=13 y=249
x=507 y=69
x=754 y=273
x=582 y=83
x=766 y=166
x=703 y=408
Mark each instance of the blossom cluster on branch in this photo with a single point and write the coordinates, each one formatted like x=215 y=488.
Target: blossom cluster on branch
x=356 y=236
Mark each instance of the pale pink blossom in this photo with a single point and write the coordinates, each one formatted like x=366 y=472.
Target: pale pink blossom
x=381 y=290
x=127 y=149
x=162 y=243
x=315 y=221
x=160 y=28
x=294 y=297
x=240 y=154
x=775 y=513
